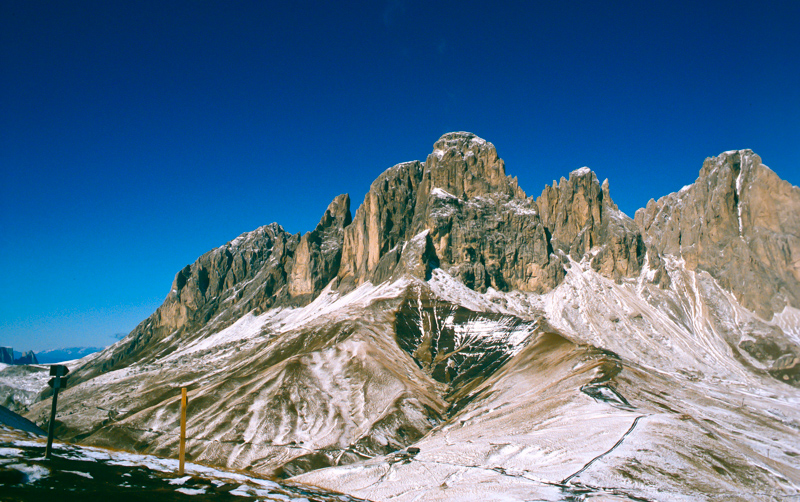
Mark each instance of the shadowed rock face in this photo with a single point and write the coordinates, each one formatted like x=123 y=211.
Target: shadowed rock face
x=484 y=229
x=467 y=166
x=455 y=345
x=739 y=221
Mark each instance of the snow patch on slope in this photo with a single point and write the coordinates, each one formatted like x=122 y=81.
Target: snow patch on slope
x=327 y=305
x=675 y=330
x=330 y=305
x=789 y=322
x=687 y=329
x=449 y=288
x=246 y=327
x=442 y=194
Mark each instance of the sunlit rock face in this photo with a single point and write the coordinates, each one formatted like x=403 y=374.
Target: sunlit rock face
x=739 y=221
x=484 y=229
x=456 y=339
x=317 y=257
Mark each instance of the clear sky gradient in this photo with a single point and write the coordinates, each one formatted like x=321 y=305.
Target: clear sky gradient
x=138 y=135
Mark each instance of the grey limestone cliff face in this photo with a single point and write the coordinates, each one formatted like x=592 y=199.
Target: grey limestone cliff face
x=258 y=270
x=739 y=222
x=318 y=255
x=480 y=226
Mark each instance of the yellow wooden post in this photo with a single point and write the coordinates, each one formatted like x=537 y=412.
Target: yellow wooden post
x=182 y=451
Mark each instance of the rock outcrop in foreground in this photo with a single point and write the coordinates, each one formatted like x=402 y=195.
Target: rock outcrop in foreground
x=456 y=339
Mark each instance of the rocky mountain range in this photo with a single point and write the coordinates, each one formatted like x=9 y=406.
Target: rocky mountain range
x=54 y=356
x=9 y=356
x=455 y=338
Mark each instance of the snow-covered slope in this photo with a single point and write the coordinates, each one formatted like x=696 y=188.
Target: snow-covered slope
x=675 y=412
x=593 y=387
x=21 y=384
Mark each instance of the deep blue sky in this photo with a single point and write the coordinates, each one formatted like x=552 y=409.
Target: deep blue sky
x=138 y=135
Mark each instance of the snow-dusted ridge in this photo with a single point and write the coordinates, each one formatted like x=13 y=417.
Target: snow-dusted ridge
x=580 y=172
x=672 y=342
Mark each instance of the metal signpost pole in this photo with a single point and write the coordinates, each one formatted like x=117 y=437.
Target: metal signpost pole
x=51 y=429
x=59 y=380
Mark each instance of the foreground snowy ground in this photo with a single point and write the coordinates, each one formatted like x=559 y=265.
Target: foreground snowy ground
x=86 y=473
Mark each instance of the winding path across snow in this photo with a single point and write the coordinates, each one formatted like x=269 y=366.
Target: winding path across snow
x=633 y=426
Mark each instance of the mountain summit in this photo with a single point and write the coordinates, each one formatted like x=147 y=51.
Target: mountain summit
x=739 y=221
x=456 y=338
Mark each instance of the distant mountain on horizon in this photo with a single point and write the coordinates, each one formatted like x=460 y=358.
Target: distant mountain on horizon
x=10 y=356
x=54 y=356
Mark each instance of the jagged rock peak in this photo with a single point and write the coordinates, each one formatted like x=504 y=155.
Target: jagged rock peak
x=337 y=214
x=461 y=141
x=730 y=155
x=583 y=171
x=581 y=216
x=479 y=225
x=246 y=239
x=737 y=221
x=733 y=168
x=467 y=166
